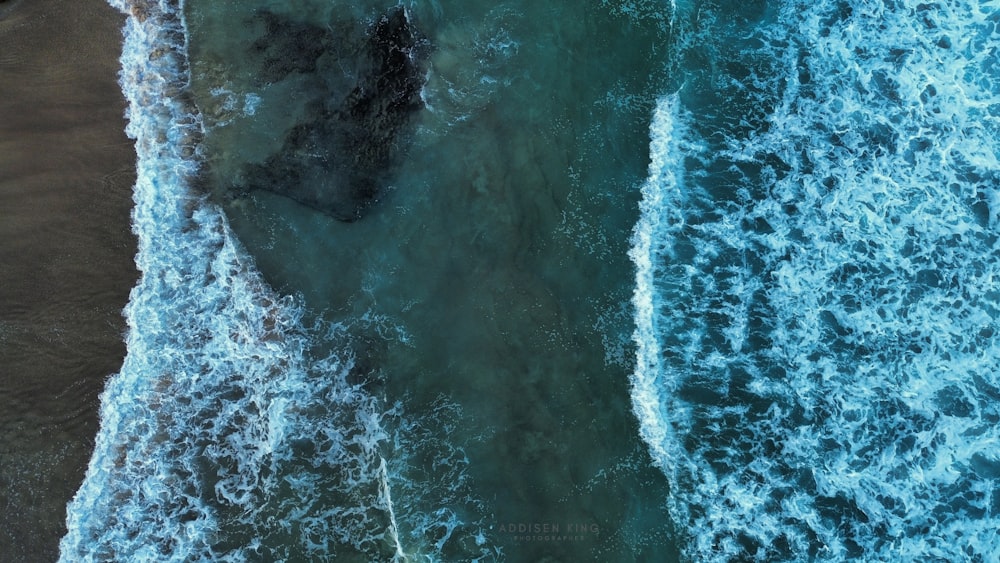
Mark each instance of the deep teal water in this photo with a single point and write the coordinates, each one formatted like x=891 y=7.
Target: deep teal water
x=493 y=277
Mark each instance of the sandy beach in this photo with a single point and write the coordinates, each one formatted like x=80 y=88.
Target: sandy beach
x=66 y=249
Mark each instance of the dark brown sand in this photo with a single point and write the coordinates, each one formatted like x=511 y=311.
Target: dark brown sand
x=66 y=251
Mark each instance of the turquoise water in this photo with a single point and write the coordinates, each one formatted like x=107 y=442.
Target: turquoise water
x=816 y=283
x=706 y=281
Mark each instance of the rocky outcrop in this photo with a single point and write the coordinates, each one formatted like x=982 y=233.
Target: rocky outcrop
x=288 y=46
x=340 y=158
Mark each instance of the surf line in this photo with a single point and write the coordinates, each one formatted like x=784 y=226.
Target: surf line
x=663 y=177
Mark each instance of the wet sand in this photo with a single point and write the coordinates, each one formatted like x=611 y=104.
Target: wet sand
x=66 y=250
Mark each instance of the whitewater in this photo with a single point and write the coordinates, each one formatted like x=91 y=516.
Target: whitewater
x=236 y=430
x=817 y=367
x=816 y=296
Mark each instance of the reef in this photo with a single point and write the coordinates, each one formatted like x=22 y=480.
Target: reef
x=340 y=157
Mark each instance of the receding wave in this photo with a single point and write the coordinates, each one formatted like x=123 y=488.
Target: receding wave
x=226 y=436
x=816 y=302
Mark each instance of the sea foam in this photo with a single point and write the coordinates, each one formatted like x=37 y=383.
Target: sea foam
x=226 y=437
x=818 y=367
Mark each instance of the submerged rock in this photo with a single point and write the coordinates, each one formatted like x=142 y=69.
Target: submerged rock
x=339 y=159
x=288 y=46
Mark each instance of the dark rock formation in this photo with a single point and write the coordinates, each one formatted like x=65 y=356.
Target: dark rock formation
x=288 y=46
x=339 y=160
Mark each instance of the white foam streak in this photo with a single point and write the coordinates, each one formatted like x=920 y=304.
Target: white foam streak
x=658 y=215
x=399 y=555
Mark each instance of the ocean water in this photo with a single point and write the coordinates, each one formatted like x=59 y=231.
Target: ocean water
x=641 y=281
x=445 y=378
x=816 y=295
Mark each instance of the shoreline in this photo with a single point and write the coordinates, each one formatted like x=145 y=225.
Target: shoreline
x=66 y=176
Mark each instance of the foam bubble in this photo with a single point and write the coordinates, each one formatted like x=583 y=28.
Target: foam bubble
x=815 y=310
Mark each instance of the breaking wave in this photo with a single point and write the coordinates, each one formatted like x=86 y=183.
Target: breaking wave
x=816 y=304
x=227 y=435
